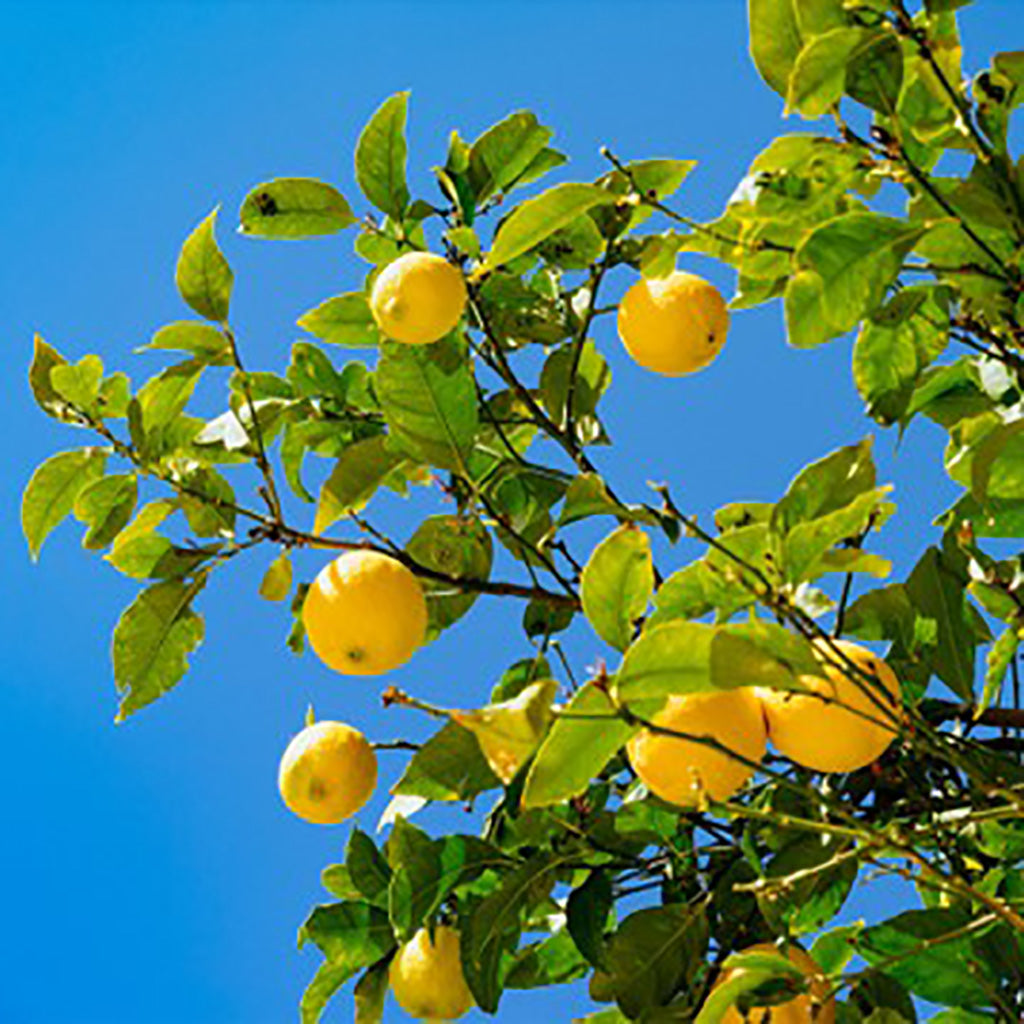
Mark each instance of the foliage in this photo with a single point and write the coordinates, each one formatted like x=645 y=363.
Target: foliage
x=932 y=285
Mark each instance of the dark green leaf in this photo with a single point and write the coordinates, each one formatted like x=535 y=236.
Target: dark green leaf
x=370 y=993
x=810 y=902
x=351 y=936
x=937 y=592
x=653 y=953
x=494 y=925
x=587 y=912
x=416 y=868
x=369 y=872
x=947 y=973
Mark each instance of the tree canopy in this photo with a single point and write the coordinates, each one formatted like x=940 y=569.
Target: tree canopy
x=897 y=217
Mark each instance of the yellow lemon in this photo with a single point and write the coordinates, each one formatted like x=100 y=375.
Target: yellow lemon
x=826 y=729
x=327 y=773
x=684 y=772
x=427 y=978
x=418 y=298
x=673 y=325
x=365 y=614
x=798 y=1010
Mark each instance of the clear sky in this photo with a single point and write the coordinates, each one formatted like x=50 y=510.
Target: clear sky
x=149 y=871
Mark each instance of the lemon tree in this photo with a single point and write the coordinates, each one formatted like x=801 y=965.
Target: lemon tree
x=769 y=714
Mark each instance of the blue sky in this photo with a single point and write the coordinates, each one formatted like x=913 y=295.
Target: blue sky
x=150 y=873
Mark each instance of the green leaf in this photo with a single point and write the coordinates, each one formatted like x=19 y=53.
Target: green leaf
x=587 y=911
x=335 y=878
x=888 y=358
x=617 y=583
x=343 y=320
x=808 y=903
x=874 y=73
x=674 y=657
x=582 y=740
x=1002 y=653
x=504 y=152
x=429 y=400
x=937 y=592
x=807 y=544
x=370 y=993
x=413 y=888
x=45 y=358
x=351 y=935
x=820 y=73
x=947 y=973
x=653 y=953
x=457 y=546
x=749 y=971
x=381 y=157
x=759 y=653
x=592 y=379
x=494 y=924
x=826 y=486
x=367 y=868
x=163 y=397
x=51 y=492
x=552 y=961
x=206 y=343
x=538 y=218
x=779 y=29
x=359 y=471
x=845 y=267
x=449 y=766
x=294 y=208
x=79 y=383
x=277 y=580
x=105 y=506
x=152 y=642
x=833 y=950
x=203 y=277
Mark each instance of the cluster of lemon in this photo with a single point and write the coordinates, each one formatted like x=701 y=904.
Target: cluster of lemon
x=365 y=614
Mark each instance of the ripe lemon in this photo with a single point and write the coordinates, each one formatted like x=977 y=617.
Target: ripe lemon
x=799 y=1009
x=327 y=773
x=816 y=733
x=427 y=978
x=365 y=614
x=673 y=325
x=418 y=298
x=684 y=772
